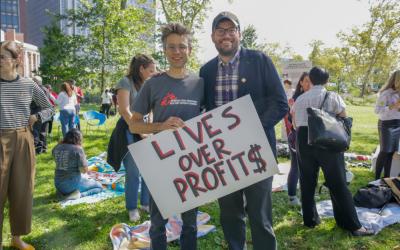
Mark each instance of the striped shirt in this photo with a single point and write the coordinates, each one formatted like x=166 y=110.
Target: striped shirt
x=15 y=99
x=226 y=86
x=313 y=98
x=385 y=99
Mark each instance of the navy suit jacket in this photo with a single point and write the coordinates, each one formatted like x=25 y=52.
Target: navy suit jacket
x=259 y=78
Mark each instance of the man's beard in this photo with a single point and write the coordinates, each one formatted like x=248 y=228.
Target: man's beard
x=230 y=52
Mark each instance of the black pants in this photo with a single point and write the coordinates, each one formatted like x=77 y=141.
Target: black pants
x=389 y=135
x=105 y=109
x=51 y=125
x=188 y=238
x=259 y=212
x=40 y=131
x=332 y=164
x=293 y=176
x=383 y=162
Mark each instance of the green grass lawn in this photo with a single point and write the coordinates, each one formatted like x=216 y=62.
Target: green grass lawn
x=88 y=226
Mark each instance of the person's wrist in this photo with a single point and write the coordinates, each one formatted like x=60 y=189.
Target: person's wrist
x=159 y=126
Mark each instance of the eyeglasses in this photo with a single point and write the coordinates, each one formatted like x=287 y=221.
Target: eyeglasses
x=181 y=47
x=221 y=31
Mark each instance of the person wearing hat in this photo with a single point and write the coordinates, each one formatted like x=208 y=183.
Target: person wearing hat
x=236 y=72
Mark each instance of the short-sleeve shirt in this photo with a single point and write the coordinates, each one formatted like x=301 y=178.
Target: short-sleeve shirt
x=334 y=104
x=69 y=160
x=166 y=96
x=106 y=98
x=127 y=84
x=385 y=99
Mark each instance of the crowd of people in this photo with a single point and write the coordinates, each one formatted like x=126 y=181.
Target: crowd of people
x=27 y=107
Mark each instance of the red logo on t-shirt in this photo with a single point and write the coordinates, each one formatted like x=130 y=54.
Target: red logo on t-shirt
x=167 y=99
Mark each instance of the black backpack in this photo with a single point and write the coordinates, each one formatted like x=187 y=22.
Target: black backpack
x=372 y=196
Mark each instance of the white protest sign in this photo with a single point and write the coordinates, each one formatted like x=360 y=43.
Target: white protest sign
x=293 y=70
x=215 y=154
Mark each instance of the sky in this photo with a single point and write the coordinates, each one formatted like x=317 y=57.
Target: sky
x=289 y=22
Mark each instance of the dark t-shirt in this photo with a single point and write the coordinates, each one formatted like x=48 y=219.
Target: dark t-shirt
x=69 y=160
x=166 y=96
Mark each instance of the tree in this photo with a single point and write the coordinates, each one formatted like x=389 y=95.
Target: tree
x=332 y=59
x=274 y=50
x=316 y=51
x=58 y=60
x=115 y=32
x=278 y=53
x=373 y=46
x=189 y=13
x=249 y=37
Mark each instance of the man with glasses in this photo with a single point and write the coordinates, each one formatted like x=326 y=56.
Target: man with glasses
x=173 y=97
x=236 y=72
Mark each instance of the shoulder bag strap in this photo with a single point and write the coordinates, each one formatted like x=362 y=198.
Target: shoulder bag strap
x=323 y=102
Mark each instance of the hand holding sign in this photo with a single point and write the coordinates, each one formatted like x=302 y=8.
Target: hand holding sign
x=212 y=155
x=172 y=123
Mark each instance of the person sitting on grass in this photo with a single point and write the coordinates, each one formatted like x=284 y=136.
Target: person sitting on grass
x=70 y=163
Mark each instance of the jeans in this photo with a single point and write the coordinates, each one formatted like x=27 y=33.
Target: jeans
x=77 y=109
x=67 y=117
x=86 y=186
x=132 y=180
x=188 y=239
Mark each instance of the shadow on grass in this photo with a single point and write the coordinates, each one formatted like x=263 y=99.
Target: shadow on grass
x=75 y=226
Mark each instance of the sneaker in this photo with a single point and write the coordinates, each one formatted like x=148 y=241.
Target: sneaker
x=294 y=201
x=134 y=215
x=363 y=232
x=145 y=208
x=74 y=195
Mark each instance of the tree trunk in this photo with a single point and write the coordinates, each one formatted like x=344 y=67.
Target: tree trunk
x=366 y=75
x=103 y=57
x=366 y=78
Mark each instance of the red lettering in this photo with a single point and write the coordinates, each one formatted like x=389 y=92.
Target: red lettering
x=220 y=172
x=239 y=156
x=226 y=114
x=199 y=137
x=185 y=166
x=181 y=187
x=179 y=140
x=232 y=169
x=160 y=154
x=206 y=154
x=208 y=127
x=205 y=178
x=193 y=180
x=219 y=148
x=197 y=159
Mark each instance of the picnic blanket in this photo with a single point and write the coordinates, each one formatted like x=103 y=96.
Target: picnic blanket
x=371 y=218
x=279 y=182
x=106 y=194
x=102 y=172
x=124 y=237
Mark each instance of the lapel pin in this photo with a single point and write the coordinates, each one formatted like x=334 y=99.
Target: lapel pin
x=243 y=80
